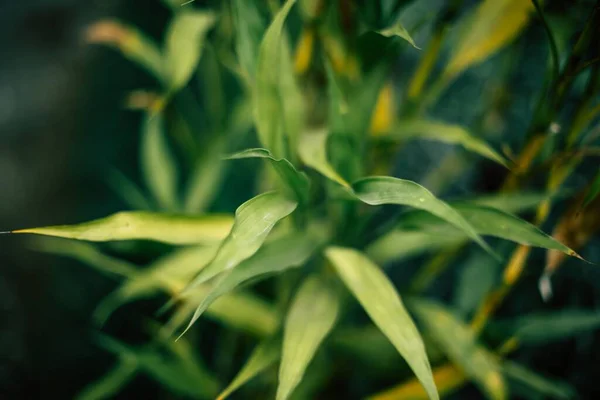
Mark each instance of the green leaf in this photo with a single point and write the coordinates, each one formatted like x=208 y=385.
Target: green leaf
x=287 y=252
x=131 y=225
x=268 y=107
x=593 y=191
x=547 y=327
x=206 y=178
x=184 y=43
x=387 y=190
x=493 y=25
x=158 y=164
x=87 y=254
x=397 y=29
x=313 y=153
x=443 y=132
x=264 y=356
x=311 y=317
x=249 y=29
x=111 y=383
x=296 y=182
x=477 y=278
x=131 y=194
x=538 y=384
x=513 y=203
x=460 y=344
x=379 y=298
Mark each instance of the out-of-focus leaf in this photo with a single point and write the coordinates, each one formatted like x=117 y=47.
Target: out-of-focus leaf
x=205 y=179
x=263 y=356
x=292 y=100
x=128 y=190
x=158 y=164
x=460 y=344
x=184 y=44
x=513 y=203
x=443 y=132
x=110 y=384
x=493 y=25
x=268 y=109
x=133 y=44
x=387 y=190
x=477 y=278
x=287 y=252
x=87 y=254
x=593 y=191
x=398 y=30
x=296 y=182
x=131 y=225
x=548 y=327
x=249 y=29
x=539 y=385
x=379 y=298
x=313 y=153
x=311 y=316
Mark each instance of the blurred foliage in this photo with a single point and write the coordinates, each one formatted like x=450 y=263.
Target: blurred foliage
x=276 y=193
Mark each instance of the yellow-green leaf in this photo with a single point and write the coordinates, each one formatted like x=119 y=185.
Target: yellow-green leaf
x=461 y=346
x=313 y=153
x=538 y=384
x=443 y=132
x=397 y=29
x=493 y=25
x=311 y=317
x=593 y=191
x=268 y=109
x=295 y=181
x=263 y=356
x=158 y=164
x=379 y=298
x=130 y=225
x=184 y=44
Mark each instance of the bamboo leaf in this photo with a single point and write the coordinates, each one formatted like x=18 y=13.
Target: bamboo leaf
x=493 y=25
x=249 y=29
x=313 y=153
x=158 y=164
x=593 y=191
x=287 y=252
x=443 y=132
x=379 y=298
x=387 y=190
x=398 y=29
x=311 y=317
x=540 y=385
x=111 y=383
x=206 y=178
x=184 y=45
x=268 y=108
x=460 y=344
x=131 y=194
x=513 y=203
x=263 y=356
x=296 y=182
x=132 y=225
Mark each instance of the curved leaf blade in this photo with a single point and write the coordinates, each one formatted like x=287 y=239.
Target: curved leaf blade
x=313 y=153
x=398 y=29
x=136 y=225
x=379 y=298
x=311 y=317
x=110 y=384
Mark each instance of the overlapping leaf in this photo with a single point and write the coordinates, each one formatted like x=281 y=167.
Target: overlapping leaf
x=313 y=153
x=379 y=298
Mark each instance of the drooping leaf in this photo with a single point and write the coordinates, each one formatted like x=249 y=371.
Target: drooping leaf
x=158 y=163
x=313 y=153
x=184 y=44
x=263 y=356
x=379 y=298
x=268 y=108
x=539 y=385
x=443 y=132
x=387 y=190
x=287 y=252
x=111 y=383
x=493 y=25
x=398 y=29
x=593 y=191
x=131 y=225
x=296 y=182
x=311 y=316
x=133 y=44
x=460 y=344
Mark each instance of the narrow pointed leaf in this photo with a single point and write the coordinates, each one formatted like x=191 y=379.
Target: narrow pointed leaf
x=275 y=257
x=388 y=190
x=167 y=228
x=443 y=132
x=131 y=194
x=313 y=153
x=158 y=163
x=184 y=43
x=268 y=109
x=593 y=191
x=111 y=383
x=460 y=344
x=296 y=182
x=249 y=29
x=397 y=29
x=513 y=203
x=538 y=384
x=264 y=356
x=379 y=298
x=206 y=177
x=311 y=316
